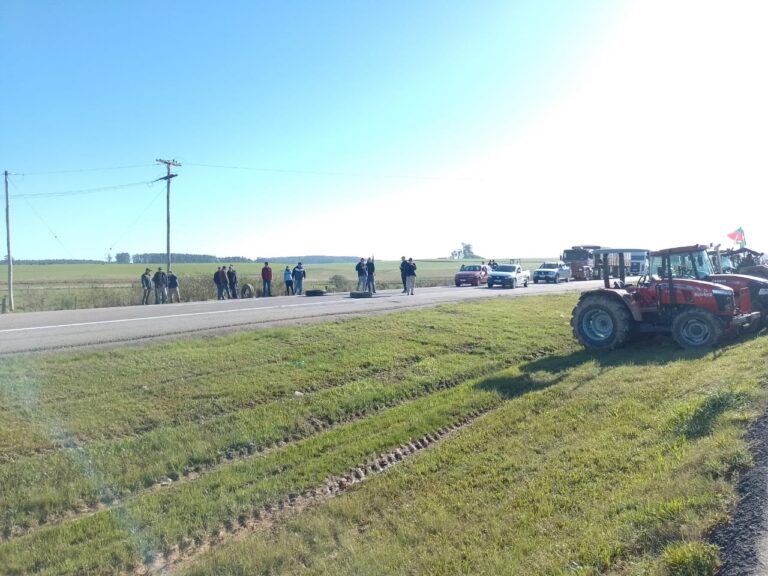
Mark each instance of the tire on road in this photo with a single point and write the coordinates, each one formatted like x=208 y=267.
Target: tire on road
x=315 y=292
x=696 y=328
x=247 y=291
x=601 y=322
x=356 y=294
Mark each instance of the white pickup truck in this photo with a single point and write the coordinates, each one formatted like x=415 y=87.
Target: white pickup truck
x=509 y=276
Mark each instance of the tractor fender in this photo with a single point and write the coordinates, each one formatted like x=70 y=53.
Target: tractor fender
x=620 y=295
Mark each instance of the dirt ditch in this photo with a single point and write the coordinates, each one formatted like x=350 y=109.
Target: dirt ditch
x=744 y=541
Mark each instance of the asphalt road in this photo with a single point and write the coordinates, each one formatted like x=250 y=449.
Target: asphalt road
x=36 y=332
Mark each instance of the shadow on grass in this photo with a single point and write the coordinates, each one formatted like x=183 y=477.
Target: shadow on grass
x=551 y=369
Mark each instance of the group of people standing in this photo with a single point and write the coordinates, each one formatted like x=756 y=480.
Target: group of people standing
x=408 y=274
x=226 y=282
x=294 y=279
x=366 y=275
x=166 y=286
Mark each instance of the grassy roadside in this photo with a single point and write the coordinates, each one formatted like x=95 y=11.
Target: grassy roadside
x=618 y=466
x=582 y=465
x=93 y=433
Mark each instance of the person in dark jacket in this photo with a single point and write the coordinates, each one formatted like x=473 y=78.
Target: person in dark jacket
x=370 y=268
x=224 y=282
x=403 y=272
x=173 y=287
x=146 y=284
x=298 y=273
x=232 y=281
x=221 y=287
x=410 y=278
x=362 y=275
x=266 y=280
x=160 y=280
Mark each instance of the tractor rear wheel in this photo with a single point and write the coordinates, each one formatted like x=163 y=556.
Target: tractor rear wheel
x=601 y=322
x=696 y=328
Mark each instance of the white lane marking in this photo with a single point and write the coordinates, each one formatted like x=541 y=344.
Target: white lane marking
x=119 y=320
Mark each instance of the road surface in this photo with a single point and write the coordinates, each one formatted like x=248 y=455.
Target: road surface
x=110 y=327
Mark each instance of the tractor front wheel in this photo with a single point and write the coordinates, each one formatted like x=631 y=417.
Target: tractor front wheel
x=601 y=322
x=696 y=329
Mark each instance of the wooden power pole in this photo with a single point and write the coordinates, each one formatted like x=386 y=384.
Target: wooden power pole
x=8 y=238
x=167 y=178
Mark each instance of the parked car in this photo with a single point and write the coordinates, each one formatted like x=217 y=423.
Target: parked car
x=552 y=272
x=471 y=275
x=509 y=276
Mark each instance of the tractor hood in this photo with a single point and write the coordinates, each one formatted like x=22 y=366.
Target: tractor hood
x=737 y=281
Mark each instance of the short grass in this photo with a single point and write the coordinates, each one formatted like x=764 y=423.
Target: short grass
x=583 y=464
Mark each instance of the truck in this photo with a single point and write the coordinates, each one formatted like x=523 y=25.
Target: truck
x=581 y=260
x=584 y=266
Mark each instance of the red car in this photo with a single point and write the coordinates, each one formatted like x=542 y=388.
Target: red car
x=471 y=274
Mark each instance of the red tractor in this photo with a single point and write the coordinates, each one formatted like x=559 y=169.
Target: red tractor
x=674 y=296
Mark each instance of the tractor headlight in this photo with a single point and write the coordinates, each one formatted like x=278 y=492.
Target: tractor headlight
x=724 y=298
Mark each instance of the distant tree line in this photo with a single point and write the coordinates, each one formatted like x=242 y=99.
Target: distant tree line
x=4 y=261
x=161 y=257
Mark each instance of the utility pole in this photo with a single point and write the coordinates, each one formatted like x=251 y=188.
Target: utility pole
x=8 y=233
x=167 y=178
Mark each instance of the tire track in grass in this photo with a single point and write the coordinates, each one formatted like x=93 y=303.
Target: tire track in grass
x=199 y=510
x=273 y=513
x=233 y=454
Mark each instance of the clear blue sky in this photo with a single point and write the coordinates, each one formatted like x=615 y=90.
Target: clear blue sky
x=401 y=127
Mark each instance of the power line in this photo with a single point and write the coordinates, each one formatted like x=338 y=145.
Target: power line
x=39 y=217
x=139 y=217
x=147 y=183
x=327 y=173
x=77 y=170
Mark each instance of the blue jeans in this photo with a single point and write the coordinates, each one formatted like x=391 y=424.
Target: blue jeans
x=266 y=288
x=298 y=285
x=362 y=280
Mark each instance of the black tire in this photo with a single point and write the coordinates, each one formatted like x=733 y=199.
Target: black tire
x=601 y=322
x=696 y=328
x=356 y=294
x=535 y=280
x=490 y=284
x=458 y=284
x=525 y=283
x=315 y=292
x=568 y=279
x=246 y=291
x=556 y=280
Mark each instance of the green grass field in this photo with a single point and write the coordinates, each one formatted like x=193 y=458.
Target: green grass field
x=72 y=286
x=215 y=456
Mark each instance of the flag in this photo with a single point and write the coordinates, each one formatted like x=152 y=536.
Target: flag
x=738 y=236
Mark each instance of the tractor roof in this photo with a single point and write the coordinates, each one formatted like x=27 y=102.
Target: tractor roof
x=602 y=251
x=741 y=251
x=680 y=250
